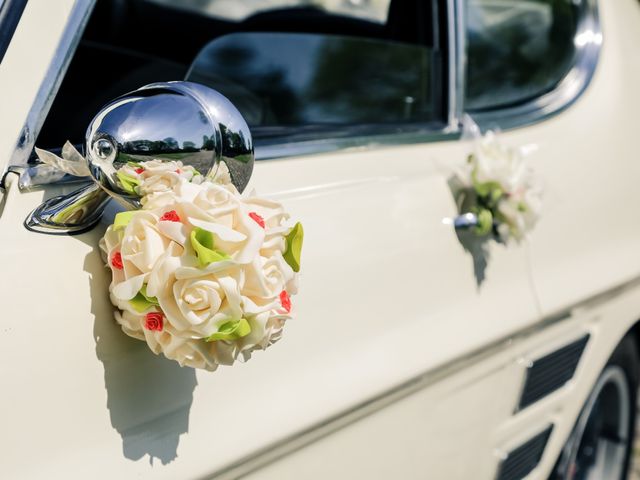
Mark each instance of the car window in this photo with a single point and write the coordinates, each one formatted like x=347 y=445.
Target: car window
x=312 y=73
x=283 y=81
x=517 y=49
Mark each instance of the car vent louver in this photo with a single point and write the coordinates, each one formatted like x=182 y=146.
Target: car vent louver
x=521 y=461
x=549 y=373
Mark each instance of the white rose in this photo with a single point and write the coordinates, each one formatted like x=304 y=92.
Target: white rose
x=266 y=278
x=273 y=216
x=198 y=306
x=183 y=191
x=241 y=241
x=131 y=323
x=219 y=202
x=142 y=245
x=187 y=352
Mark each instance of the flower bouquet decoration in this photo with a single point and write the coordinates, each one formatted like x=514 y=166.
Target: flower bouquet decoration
x=201 y=273
x=496 y=190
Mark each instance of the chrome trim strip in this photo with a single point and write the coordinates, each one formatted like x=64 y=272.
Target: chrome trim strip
x=456 y=59
x=277 y=450
x=588 y=42
x=53 y=78
x=295 y=149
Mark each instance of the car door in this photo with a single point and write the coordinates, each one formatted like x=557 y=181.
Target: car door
x=388 y=293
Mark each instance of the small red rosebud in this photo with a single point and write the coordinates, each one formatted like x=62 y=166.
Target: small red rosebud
x=258 y=219
x=170 y=216
x=139 y=170
x=178 y=171
x=285 y=301
x=154 y=321
x=116 y=261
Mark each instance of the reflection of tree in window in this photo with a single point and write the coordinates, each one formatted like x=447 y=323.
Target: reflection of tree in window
x=369 y=82
x=517 y=50
x=259 y=91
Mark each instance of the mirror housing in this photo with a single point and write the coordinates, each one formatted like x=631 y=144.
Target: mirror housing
x=162 y=121
x=169 y=121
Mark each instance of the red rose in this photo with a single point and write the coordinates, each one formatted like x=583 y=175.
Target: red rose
x=171 y=216
x=285 y=301
x=154 y=321
x=116 y=261
x=139 y=170
x=258 y=219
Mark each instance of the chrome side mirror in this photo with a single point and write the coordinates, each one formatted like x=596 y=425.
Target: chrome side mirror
x=162 y=121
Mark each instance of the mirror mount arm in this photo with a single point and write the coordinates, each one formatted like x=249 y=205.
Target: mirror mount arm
x=71 y=214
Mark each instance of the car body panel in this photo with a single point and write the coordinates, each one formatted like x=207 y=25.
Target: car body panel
x=387 y=293
x=388 y=296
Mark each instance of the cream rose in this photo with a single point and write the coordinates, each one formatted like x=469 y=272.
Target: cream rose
x=267 y=277
x=197 y=307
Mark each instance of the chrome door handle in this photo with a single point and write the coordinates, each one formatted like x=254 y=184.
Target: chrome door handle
x=465 y=221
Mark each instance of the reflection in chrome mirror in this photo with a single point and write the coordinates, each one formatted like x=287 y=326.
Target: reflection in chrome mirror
x=167 y=122
x=163 y=122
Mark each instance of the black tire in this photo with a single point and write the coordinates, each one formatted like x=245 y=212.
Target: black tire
x=601 y=442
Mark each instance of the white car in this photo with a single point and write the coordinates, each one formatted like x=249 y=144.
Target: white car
x=417 y=350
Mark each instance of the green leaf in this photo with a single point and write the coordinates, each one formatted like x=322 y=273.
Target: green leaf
x=142 y=301
x=128 y=182
x=522 y=207
x=134 y=164
x=122 y=219
x=294 y=247
x=496 y=194
x=202 y=243
x=231 y=330
x=485 y=222
x=491 y=189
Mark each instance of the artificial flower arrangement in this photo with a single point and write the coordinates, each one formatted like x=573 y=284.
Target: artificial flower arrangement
x=497 y=185
x=201 y=273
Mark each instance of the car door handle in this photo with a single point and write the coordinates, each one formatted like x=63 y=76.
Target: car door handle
x=465 y=221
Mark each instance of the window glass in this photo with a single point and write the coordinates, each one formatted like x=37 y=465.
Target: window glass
x=517 y=49
x=289 y=79
x=323 y=63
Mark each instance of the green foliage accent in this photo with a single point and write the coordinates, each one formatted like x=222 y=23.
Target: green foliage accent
x=231 y=330
x=128 y=182
x=142 y=301
x=294 y=246
x=122 y=219
x=485 y=221
x=202 y=242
